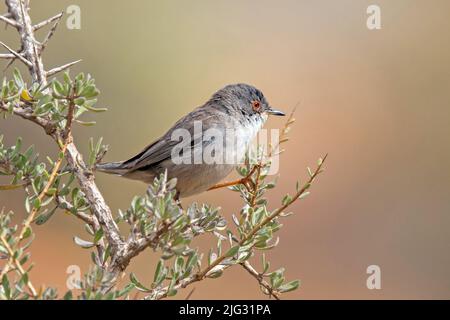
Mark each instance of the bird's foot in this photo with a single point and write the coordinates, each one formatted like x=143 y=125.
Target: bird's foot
x=246 y=181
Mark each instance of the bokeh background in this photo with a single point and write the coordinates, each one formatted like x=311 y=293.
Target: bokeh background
x=377 y=101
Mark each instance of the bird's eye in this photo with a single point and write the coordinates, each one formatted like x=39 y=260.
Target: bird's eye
x=256 y=106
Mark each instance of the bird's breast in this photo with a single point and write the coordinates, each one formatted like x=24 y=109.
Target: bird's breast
x=246 y=132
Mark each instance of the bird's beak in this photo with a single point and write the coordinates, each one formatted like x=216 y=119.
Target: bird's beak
x=274 y=112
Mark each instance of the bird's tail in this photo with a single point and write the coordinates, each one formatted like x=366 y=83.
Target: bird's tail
x=112 y=168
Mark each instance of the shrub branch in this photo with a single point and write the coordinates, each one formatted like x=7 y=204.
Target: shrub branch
x=32 y=54
x=155 y=220
x=160 y=294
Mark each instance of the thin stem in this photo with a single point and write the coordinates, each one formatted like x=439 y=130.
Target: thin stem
x=278 y=211
x=201 y=275
x=99 y=208
x=19 y=110
x=267 y=287
x=64 y=204
x=43 y=193
x=246 y=265
x=12 y=260
x=54 y=173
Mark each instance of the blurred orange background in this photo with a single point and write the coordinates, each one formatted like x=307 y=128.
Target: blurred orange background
x=377 y=101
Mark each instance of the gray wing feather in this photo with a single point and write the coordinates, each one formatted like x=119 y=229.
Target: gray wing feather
x=161 y=149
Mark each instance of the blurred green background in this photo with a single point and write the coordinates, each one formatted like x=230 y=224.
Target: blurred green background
x=377 y=101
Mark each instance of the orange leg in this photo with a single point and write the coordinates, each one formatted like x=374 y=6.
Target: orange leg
x=246 y=181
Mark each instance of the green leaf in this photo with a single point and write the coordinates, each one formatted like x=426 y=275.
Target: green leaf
x=18 y=78
x=257 y=216
x=3 y=250
x=276 y=278
x=90 y=106
x=179 y=263
x=191 y=262
x=139 y=286
x=51 y=191
x=44 y=109
x=98 y=236
x=80 y=101
x=289 y=286
x=80 y=76
x=43 y=218
x=158 y=272
x=37 y=203
x=47 y=201
x=90 y=92
x=125 y=290
x=270 y=185
x=66 y=77
x=68 y=295
x=58 y=88
x=24 y=278
x=75 y=193
x=27 y=233
x=172 y=291
x=18 y=146
x=286 y=200
x=6 y=287
x=24 y=258
x=232 y=251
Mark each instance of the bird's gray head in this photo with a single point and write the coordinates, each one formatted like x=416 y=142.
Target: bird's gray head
x=243 y=100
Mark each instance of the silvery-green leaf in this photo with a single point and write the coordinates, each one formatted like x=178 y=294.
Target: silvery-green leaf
x=289 y=286
x=232 y=251
x=83 y=243
x=158 y=271
x=138 y=284
x=98 y=235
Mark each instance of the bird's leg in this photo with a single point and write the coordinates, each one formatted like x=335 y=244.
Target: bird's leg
x=246 y=181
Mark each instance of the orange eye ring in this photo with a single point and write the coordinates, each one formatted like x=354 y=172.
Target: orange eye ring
x=256 y=106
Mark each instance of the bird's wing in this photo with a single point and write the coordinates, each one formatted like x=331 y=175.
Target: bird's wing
x=161 y=149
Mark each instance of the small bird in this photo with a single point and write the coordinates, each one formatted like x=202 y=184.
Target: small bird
x=237 y=110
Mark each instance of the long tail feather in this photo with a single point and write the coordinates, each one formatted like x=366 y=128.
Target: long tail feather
x=112 y=168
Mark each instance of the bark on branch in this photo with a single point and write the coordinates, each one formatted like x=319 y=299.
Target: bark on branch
x=20 y=15
x=31 y=52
